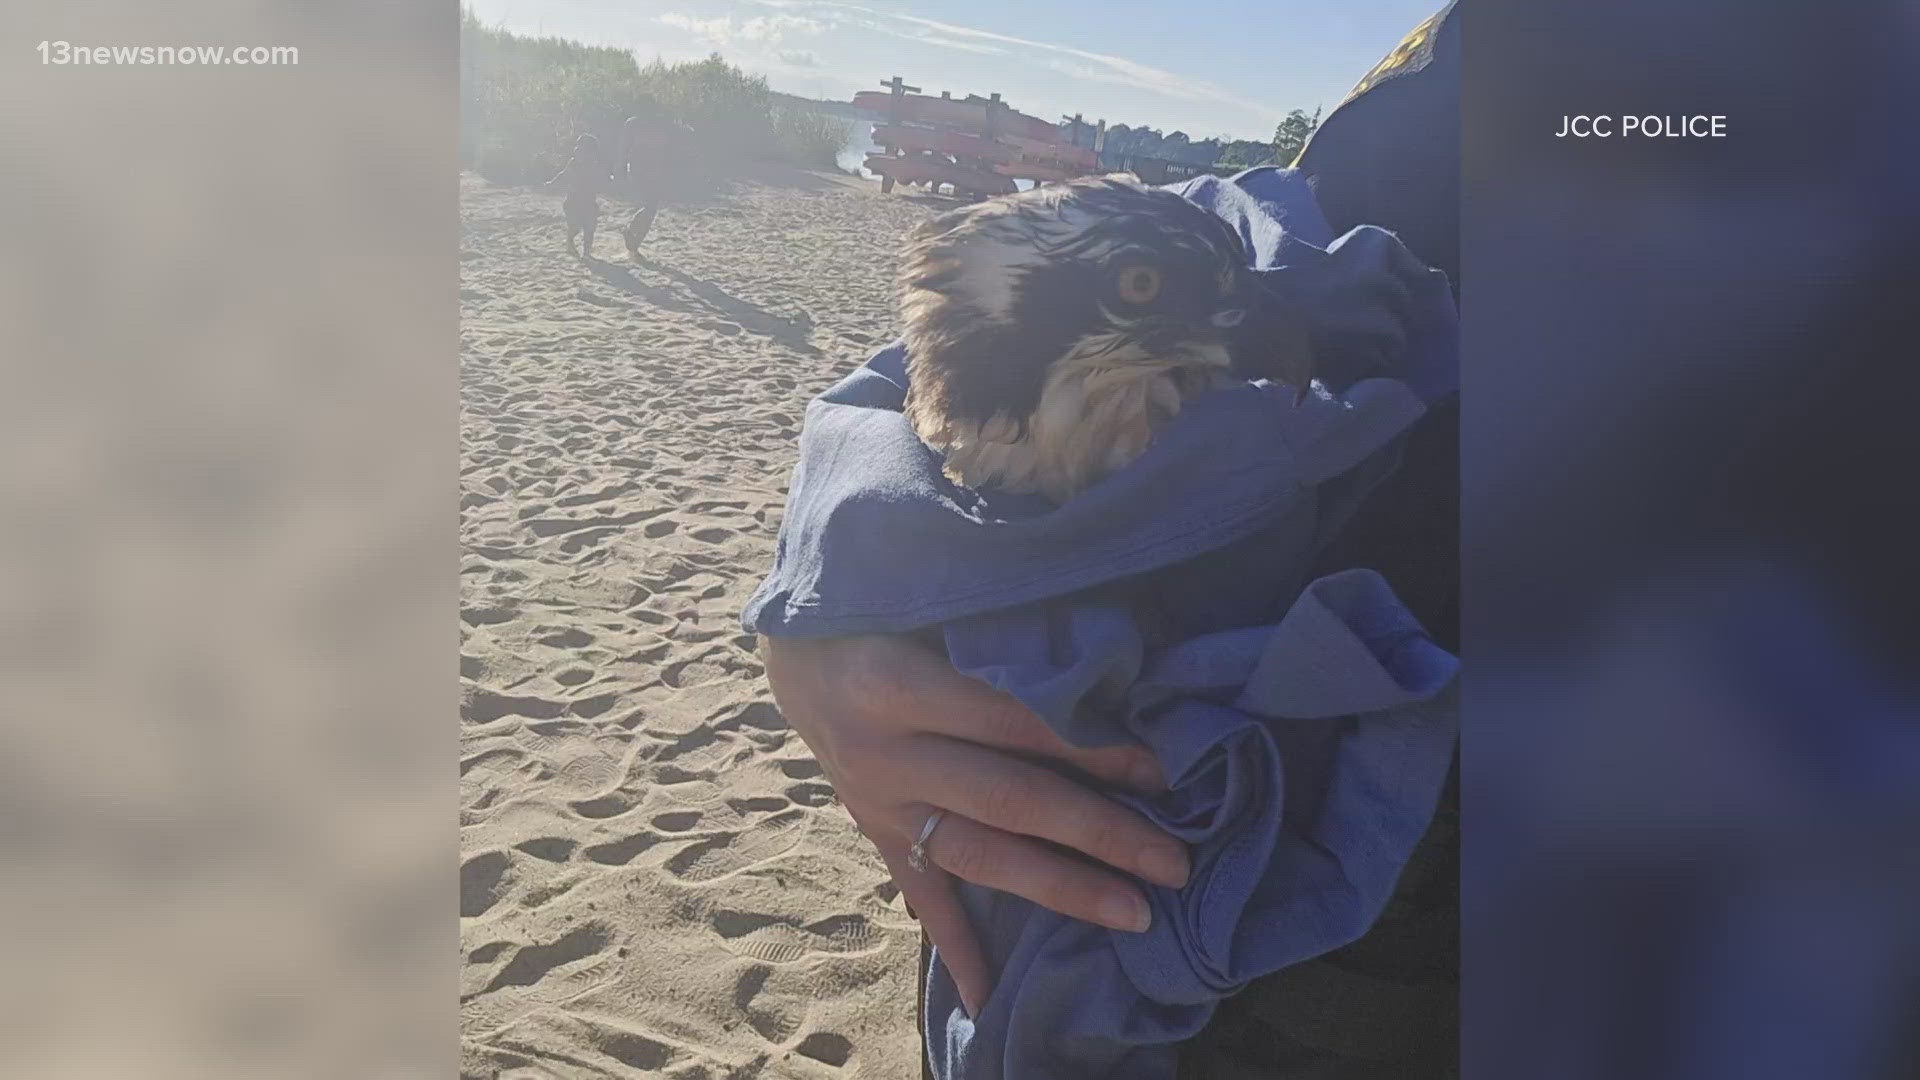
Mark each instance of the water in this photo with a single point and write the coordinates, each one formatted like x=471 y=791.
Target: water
x=853 y=155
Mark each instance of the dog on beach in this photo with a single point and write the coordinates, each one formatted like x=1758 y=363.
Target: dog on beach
x=1050 y=332
x=585 y=175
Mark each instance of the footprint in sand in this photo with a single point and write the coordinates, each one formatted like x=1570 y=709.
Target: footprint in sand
x=594 y=707
x=694 y=673
x=487 y=616
x=605 y=494
x=621 y=852
x=483 y=881
x=770 y=1018
x=533 y=963
x=539 y=977
x=554 y=849
x=782 y=940
x=543 y=895
x=632 y=1049
x=485 y=706
x=497 y=759
x=488 y=953
x=677 y=820
x=802 y=769
x=698 y=739
x=815 y=795
x=571 y=638
x=605 y=806
x=673 y=775
x=826 y=1047
x=590 y=771
x=762 y=716
x=652 y=653
x=727 y=853
x=577 y=542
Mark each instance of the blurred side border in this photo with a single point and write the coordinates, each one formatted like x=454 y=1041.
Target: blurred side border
x=1691 y=747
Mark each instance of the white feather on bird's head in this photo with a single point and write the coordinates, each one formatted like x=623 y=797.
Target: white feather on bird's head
x=1050 y=331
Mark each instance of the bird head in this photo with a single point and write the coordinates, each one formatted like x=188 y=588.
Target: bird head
x=1100 y=275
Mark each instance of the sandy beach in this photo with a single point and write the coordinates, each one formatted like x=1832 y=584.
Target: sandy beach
x=655 y=879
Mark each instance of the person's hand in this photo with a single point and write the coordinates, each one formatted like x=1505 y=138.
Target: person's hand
x=900 y=734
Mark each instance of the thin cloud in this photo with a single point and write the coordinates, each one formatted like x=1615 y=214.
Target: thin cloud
x=724 y=30
x=1093 y=67
x=926 y=38
x=955 y=43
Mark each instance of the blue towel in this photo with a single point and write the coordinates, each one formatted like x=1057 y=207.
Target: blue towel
x=1304 y=725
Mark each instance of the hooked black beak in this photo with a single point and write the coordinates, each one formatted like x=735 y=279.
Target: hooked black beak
x=1239 y=319
x=1265 y=342
x=1240 y=302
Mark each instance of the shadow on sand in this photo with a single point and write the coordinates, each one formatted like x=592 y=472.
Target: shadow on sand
x=703 y=187
x=707 y=299
x=938 y=202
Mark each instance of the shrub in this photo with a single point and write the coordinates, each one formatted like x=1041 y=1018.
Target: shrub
x=523 y=101
x=810 y=139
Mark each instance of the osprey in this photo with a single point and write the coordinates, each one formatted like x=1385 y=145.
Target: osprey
x=1050 y=332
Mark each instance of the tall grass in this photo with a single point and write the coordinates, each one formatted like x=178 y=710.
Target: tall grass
x=523 y=101
x=810 y=139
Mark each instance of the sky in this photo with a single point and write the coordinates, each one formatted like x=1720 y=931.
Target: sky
x=1205 y=67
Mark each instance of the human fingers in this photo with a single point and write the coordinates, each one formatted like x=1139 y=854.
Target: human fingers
x=1027 y=799
x=998 y=720
x=1028 y=868
x=919 y=687
x=930 y=892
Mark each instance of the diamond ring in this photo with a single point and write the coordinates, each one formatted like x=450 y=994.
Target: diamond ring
x=917 y=854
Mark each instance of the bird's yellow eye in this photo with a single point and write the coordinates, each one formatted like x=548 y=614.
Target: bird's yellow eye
x=1139 y=284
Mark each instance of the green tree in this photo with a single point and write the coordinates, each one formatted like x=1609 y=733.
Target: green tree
x=1245 y=154
x=1292 y=135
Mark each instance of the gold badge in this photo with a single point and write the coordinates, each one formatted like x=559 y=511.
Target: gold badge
x=1410 y=55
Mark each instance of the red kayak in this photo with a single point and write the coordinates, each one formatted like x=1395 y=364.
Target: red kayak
x=1028 y=159
x=1054 y=154
x=943 y=142
x=970 y=115
x=918 y=169
x=1042 y=173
